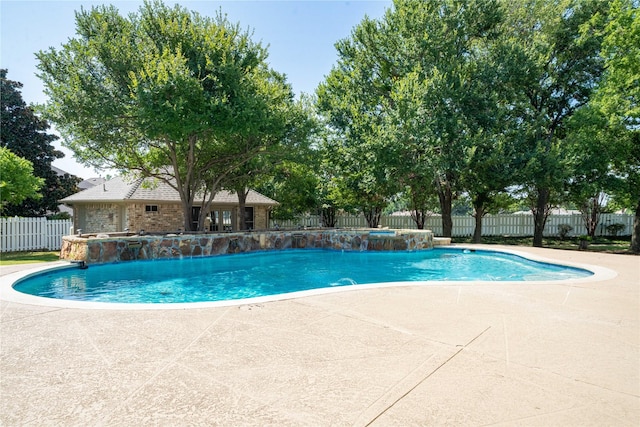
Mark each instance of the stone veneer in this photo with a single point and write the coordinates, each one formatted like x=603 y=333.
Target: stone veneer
x=103 y=248
x=98 y=217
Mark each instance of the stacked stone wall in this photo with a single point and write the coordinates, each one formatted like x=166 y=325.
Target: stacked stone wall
x=102 y=248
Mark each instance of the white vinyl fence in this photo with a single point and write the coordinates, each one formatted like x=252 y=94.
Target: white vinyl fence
x=32 y=234
x=492 y=225
x=27 y=234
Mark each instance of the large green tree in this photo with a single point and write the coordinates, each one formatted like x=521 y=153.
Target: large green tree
x=294 y=185
x=17 y=181
x=26 y=135
x=491 y=163
x=556 y=71
x=352 y=99
x=618 y=97
x=493 y=158
x=285 y=172
x=404 y=94
x=593 y=146
x=165 y=93
x=444 y=50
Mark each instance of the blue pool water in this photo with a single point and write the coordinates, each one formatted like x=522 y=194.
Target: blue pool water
x=232 y=277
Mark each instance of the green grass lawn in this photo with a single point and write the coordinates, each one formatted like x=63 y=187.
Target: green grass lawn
x=618 y=245
x=11 y=258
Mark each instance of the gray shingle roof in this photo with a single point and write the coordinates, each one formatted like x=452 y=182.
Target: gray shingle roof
x=121 y=189
x=91 y=182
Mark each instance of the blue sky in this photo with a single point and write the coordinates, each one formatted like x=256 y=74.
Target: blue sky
x=300 y=36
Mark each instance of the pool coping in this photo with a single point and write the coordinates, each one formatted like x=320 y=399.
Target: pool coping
x=9 y=294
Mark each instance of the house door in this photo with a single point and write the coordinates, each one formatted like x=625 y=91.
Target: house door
x=221 y=220
x=214 y=221
x=248 y=218
x=227 y=224
x=195 y=213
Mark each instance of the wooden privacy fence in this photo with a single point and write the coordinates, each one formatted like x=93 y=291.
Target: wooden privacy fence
x=463 y=226
x=32 y=234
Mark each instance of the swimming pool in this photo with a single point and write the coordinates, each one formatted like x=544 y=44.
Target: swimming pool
x=259 y=274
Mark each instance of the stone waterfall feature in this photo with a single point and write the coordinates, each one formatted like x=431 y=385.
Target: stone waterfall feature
x=118 y=247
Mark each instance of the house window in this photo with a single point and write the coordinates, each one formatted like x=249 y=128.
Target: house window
x=248 y=217
x=195 y=215
x=151 y=208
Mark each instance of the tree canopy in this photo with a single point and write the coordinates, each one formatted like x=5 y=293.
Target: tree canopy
x=557 y=70
x=166 y=93
x=26 y=135
x=408 y=97
x=17 y=181
x=618 y=96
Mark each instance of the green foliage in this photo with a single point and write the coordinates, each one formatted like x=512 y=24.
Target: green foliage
x=614 y=229
x=295 y=186
x=564 y=230
x=287 y=173
x=169 y=94
x=361 y=172
x=59 y=215
x=25 y=134
x=462 y=206
x=616 y=99
x=619 y=94
x=404 y=102
x=558 y=68
x=501 y=103
x=592 y=143
x=17 y=181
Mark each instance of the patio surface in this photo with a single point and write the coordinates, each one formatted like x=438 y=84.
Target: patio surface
x=447 y=354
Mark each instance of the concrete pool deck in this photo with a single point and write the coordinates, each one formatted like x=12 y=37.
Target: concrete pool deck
x=446 y=354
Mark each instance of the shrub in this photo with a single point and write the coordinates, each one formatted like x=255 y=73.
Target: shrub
x=564 y=230
x=614 y=229
x=60 y=215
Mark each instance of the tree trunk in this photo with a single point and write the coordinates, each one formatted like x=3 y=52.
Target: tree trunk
x=477 y=231
x=635 y=235
x=591 y=211
x=372 y=215
x=419 y=216
x=329 y=217
x=186 y=212
x=479 y=212
x=207 y=201
x=540 y=213
x=594 y=220
x=445 y=195
x=242 y=202
x=419 y=211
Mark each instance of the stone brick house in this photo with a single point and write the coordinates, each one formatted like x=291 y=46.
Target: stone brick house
x=138 y=204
